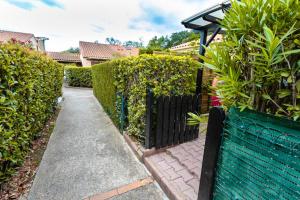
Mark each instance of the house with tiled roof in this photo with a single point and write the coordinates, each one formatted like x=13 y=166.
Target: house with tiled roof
x=37 y=43
x=92 y=52
x=193 y=45
x=66 y=58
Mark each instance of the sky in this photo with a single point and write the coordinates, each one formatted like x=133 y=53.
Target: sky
x=66 y=22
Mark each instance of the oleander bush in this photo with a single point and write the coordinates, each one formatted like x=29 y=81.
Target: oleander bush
x=78 y=76
x=258 y=63
x=164 y=74
x=30 y=84
x=104 y=88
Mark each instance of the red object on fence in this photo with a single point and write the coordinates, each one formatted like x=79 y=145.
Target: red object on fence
x=215 y=101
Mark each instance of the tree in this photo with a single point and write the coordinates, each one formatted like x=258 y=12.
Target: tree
x=72 y=50
x=158 y=43
x=130 y=43
x=165 y=42
x=113 y=41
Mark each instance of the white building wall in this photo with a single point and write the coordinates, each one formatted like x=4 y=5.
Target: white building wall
x=85 y=62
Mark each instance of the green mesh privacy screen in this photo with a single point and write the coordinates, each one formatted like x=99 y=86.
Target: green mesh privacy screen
x=258 y=158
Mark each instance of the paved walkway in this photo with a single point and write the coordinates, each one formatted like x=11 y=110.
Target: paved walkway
x=86 y=156
x=178 y=169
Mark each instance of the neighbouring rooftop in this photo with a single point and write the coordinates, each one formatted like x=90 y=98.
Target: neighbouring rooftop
x=92 y=50
x=6 y=36
x=65 y=57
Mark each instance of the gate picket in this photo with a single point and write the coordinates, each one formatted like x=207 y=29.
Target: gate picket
x=159 y=123
x=177 y=119
x=172 y=120
x=166 y=115
x=171 y=116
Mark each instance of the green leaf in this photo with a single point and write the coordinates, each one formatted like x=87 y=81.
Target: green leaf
x=283 y=93
x=268 y=33
x=286 y=53
x=266 y=96
x=298 y=85
x=284 y=74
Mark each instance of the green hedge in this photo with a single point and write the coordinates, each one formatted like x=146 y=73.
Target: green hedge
x=30 y=84
x=164 y=74
x=78 y=76
x=104 y=88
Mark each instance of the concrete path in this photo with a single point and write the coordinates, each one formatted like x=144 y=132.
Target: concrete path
x=86 y=155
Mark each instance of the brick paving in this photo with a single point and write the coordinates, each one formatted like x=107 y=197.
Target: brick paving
x=178 y=169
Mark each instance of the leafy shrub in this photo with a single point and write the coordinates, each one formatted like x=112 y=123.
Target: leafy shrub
x=104 y=88
x=259 y=61
x=164 y=74
x=78 y=76
x=30 y=84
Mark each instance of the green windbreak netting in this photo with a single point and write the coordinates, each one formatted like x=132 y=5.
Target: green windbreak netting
x=259 y=158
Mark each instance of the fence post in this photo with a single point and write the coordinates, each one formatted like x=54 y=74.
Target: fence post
x=211 y=151
x=149 y=120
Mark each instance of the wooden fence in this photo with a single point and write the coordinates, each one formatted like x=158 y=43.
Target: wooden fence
x=166 y=120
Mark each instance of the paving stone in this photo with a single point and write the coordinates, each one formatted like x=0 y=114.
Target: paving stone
x=197 y=171
x=175 y=149
x=196 y=148
x=181 y=184
x=180 y=157
x=185 y=175
x=156 y=158
x=171 y=174
x=167 y=158
x=195 y=153
x=186 y=146
x=176 y=166
x=190 y=194
x=163 y=165
x=194 y=183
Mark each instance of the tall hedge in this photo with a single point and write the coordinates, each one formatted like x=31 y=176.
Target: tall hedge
x=30 y=84
x=78 y=76
x=104 y=88
x=164 y=74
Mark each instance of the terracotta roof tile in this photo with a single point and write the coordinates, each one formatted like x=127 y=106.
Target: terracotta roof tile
x=64 y=56
x=105 y=51
x=8 y=35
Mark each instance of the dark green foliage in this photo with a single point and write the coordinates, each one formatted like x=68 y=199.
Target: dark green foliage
x=130 y=43
x=113 y=41
x=104 y=88
x=78 y=76
x=165 y=75
x=258 y=62
x=165 y=42
x=72 y=50
x=30 y=84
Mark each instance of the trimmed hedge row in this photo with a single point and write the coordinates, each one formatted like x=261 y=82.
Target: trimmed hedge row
x=30 y=84
x=164 y=74
x=104 y=88
x=78 y=76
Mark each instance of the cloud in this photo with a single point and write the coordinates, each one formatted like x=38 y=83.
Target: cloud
x=30 y=4
x=152 y=19
x=91 y=20
x=21 y=4
x=52 y=3
x=97 y=29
